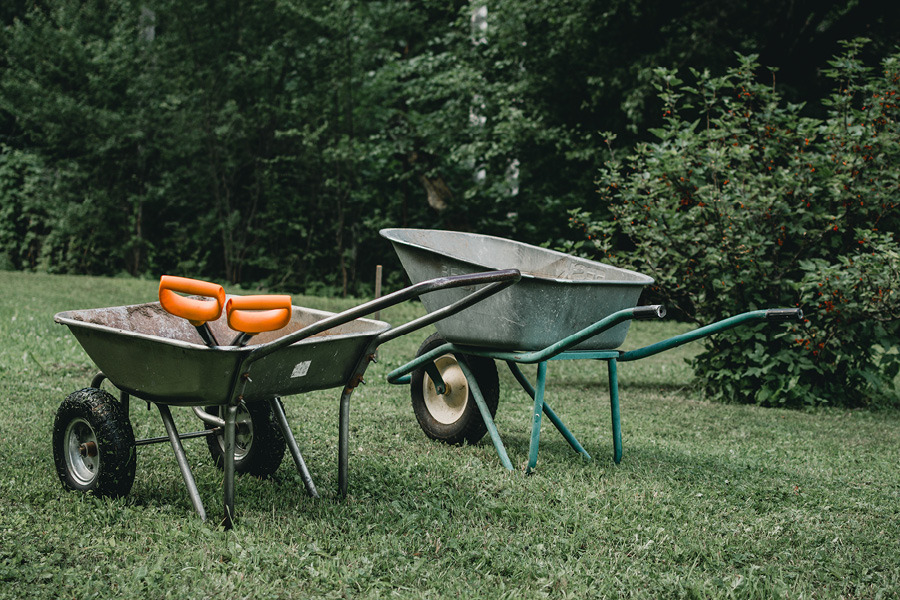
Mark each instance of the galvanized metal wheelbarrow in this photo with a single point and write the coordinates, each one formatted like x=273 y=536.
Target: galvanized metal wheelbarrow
x=167 y=353
x=564 y=308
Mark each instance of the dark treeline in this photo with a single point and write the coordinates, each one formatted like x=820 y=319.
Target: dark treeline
x=267 y=141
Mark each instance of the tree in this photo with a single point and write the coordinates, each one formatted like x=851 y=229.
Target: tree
x=267 y=141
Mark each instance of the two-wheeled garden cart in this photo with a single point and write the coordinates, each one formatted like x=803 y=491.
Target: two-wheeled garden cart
x=232 y=370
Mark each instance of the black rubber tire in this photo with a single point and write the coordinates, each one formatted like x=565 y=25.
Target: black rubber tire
x=469 y=427
x=93 y=444
x=259 y=445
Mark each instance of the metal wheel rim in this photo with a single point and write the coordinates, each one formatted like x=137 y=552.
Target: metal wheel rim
x=243 y=435
x=82 y=466
x=447 y=408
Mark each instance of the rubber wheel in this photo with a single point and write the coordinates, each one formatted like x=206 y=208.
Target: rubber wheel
x=93 y=444
x=258 y=444
x=453 y=417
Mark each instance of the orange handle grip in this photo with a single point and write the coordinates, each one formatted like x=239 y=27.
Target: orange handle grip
x=255 y=314
x=196 y=311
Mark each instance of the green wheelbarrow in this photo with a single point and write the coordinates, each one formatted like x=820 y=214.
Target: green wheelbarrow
x=563 y=308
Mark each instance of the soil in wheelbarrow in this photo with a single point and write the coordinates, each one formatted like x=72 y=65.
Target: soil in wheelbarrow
x=149 y=319
x=152 y=319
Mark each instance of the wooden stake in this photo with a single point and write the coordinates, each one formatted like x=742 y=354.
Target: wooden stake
x=377 y=314
x=378 y=289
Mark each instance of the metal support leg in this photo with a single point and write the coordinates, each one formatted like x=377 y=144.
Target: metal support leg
x=432 y=371
x=344 y=441
x=97 y=381
x=614 y=409
x=486 y=416
x=230 y=425
x=180 y=456
x=278 y=410
x=557 y=422
x=344 y=418
x=536 y=416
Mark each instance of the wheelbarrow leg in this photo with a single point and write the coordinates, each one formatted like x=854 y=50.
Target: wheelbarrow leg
x=554 y=418
x=180 y=456
x=536 y=416
x=614 y=409
x=230 y=424
x=486 y=416
x=344 y=418
x=344 y=441
x=278 y=410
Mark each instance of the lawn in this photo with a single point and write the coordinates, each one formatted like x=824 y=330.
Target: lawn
x=710 y=500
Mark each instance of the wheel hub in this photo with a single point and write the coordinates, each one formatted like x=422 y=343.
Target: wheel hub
x=88 y=450
x=243 y=432
x=449 y=407
x=81 y=452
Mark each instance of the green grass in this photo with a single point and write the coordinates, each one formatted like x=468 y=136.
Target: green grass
x=710 y=500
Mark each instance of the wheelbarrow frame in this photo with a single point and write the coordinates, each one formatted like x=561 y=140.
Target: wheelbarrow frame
x=241 y=379
x=564 y=308
x=562 y=351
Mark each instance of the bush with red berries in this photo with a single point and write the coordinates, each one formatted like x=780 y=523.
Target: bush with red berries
x=745 y=203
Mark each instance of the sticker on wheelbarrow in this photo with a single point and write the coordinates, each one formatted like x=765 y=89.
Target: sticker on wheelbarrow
x=301 y=369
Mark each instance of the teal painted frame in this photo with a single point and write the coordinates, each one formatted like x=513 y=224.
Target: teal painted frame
x=559 y=351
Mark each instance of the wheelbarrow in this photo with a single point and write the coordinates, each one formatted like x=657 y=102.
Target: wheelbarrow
x=563 y=308
x=168 y=353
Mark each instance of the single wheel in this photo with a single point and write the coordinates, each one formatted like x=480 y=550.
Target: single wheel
x=453 y=417
x=93 y=444
x=258 y=444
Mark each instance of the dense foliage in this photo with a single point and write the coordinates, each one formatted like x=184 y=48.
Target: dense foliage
x=266 y=141
x=742 y=203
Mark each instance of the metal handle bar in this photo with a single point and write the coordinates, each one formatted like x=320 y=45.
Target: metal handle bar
x=774 y=314
x=655 y=311
x=640 y=312
x=784 y=314
x=511 y=276
x=498 y=280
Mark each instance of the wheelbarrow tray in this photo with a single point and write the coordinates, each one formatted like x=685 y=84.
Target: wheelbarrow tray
x=158 y=357
x=557 y=296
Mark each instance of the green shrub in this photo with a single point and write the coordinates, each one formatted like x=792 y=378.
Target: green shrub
x=744 y=203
